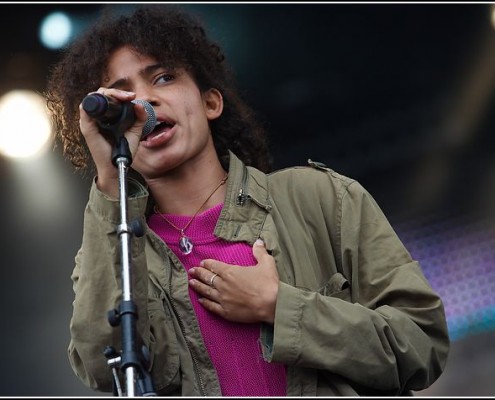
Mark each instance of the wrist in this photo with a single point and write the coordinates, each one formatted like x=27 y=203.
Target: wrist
x=108 y=186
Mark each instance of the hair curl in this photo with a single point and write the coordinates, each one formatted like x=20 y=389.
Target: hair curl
x=176 y=40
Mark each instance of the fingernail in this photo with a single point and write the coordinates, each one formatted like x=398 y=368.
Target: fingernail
x=259 y=242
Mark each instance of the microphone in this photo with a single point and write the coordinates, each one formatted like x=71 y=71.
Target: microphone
x=116 y=117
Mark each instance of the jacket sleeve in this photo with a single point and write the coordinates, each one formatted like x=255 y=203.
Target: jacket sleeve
x=392 y=334
x=97 y=285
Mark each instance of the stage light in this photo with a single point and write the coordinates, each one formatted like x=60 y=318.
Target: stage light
x=56 y=30
x=25 y=128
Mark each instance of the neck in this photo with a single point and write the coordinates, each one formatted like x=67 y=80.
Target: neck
x=182 y=192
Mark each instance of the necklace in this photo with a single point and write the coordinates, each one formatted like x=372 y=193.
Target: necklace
x=185 y=243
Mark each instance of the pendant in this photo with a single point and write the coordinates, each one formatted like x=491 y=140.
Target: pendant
x=185 y=245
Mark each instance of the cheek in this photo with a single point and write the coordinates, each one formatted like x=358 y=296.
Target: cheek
x=191 y=106
x=196 y=116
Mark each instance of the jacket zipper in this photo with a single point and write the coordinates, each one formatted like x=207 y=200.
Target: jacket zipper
x=181 y=324
x=242 y=195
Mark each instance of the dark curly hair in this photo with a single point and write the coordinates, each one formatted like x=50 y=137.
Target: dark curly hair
x=175 y=39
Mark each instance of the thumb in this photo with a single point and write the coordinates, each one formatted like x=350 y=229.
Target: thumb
x=259 y=249
x=136 y=131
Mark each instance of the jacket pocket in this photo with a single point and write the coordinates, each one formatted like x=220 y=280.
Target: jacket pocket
x=337 y=286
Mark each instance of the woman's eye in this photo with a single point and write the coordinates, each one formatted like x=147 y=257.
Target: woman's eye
x=164 y=78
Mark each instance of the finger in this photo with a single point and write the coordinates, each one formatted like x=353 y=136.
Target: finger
x=207 y=277
x=204 y=290
x=121 y=95
x=135 y=133
x=211 y=281
x=212 y=306
x=213 y=265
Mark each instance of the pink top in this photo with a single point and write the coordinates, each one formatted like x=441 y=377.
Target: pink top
x=234 y=348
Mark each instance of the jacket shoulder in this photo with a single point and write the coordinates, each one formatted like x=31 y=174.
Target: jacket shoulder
x=314 y=172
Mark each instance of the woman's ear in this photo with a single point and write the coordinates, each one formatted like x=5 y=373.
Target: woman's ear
x=213 y=102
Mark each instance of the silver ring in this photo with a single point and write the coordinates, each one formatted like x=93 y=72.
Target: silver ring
x=212 y=279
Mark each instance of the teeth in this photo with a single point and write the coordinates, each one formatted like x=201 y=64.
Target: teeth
x=165 y=123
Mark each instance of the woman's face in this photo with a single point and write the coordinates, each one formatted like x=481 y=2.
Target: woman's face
x=183 y=137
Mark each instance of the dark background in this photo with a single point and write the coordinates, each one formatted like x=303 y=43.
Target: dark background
x=398 y=96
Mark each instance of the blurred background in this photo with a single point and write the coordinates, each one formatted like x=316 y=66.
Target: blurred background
x=398 y=96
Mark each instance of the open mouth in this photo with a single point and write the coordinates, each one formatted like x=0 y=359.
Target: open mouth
x=160 y=128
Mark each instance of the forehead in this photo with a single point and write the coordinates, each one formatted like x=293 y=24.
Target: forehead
x=126 y=62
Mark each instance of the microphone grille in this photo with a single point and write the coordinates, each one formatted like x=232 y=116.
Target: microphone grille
x=151 y=120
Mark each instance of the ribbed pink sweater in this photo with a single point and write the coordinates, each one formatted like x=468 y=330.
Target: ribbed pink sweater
x=234 y=348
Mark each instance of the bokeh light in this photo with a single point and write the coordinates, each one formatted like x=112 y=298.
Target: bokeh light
x=25 y=127
x=56 y=30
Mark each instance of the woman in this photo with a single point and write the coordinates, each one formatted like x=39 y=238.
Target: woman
x=246 y=283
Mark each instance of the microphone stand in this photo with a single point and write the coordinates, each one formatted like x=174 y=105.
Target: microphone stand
x=134 y=361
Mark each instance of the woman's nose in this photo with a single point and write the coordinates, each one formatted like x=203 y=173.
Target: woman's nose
x=148 y=96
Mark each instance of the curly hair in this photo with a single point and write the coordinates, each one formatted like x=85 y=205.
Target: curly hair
x=176 y=40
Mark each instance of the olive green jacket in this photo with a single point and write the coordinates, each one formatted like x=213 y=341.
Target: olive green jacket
x=354 y=316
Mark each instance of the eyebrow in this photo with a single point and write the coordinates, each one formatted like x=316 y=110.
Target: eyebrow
x=150 y=69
